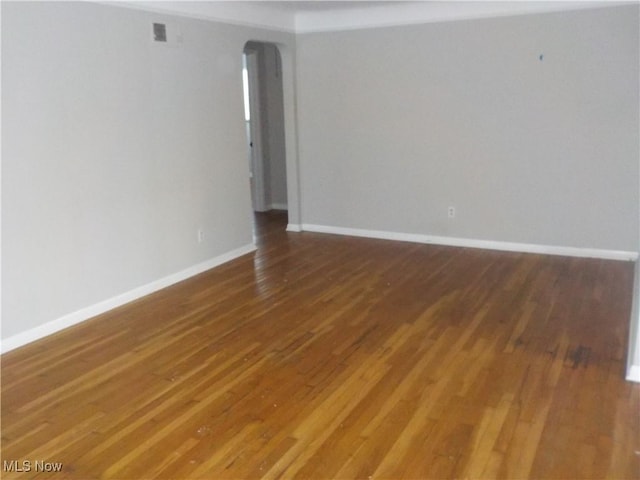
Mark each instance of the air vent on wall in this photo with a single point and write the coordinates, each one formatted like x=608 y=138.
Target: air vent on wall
x=159 y=32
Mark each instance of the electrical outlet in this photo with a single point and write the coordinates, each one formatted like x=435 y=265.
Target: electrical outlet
x=200 y=235
x=451 y=212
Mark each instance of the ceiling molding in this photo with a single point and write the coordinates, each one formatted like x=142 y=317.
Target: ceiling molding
x=247 y=14
x=430 y=12
x=309 y=17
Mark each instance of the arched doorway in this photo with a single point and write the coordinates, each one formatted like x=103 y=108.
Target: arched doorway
x=265 y=126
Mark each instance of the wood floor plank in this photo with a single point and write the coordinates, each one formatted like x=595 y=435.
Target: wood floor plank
x=323 y=356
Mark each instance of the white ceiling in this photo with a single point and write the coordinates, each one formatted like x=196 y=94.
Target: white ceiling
x=325 y=15
x=323 y=5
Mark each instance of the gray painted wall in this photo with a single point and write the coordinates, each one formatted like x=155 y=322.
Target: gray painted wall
x=115 y=151
x=396 y=124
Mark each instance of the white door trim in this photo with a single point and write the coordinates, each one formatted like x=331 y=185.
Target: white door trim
x=257 y=160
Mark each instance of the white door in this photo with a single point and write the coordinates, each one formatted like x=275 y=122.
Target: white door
x=256 y=163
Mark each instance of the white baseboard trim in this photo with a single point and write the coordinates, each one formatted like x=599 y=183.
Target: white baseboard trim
x=91 y=311
x=293 y=227
x=472 y=243
x=633 y=374
x=278 y=206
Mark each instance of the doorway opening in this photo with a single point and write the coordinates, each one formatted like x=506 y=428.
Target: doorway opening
x=264 y=124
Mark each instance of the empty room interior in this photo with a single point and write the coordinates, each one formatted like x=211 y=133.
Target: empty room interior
x=320 y=240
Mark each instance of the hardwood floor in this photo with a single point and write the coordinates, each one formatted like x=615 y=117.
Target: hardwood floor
x=333 y=357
